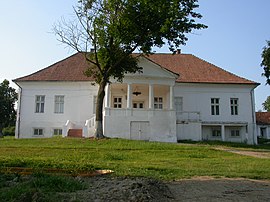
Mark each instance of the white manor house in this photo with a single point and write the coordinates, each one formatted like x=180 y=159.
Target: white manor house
x=175 y=97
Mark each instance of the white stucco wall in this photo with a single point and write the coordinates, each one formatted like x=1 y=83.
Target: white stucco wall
x=162 y=125
x=189 y=131
x=197 y=97
x=78 y=106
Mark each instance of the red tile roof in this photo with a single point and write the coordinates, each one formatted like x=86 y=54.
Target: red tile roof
x=190 y=68
x=195 y=70
x=69 y=69
x=263 y=118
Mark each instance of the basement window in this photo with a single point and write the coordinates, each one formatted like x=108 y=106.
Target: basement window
x=216 y=133
x=57 y=131
x=235 y=133
x=38 y=131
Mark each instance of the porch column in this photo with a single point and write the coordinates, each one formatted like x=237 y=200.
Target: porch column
x=223 y=133
x=129 y=96
x=108 y=96
x=171 y=97
x=151 y=96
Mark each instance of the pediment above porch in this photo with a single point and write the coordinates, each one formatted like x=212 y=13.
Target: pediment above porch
x=152 y=70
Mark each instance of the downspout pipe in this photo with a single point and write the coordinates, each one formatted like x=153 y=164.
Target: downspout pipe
x=254 y=132
x=18 y=121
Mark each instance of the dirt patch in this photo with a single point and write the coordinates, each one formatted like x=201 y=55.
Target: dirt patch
x=196 y=189
x=117 y=189
x=138 y=189
x=257 y=154
x=206 y=189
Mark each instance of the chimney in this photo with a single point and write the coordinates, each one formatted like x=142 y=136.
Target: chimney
x=178 y=51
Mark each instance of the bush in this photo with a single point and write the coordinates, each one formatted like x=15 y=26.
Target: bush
x=9 y=131
x=262 y=140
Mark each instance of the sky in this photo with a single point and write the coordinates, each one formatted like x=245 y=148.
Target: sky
x=236 y=34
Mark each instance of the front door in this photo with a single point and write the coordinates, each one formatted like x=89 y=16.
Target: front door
x=139 y=130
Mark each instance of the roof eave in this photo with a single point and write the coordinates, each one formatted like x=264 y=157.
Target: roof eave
x=232 y=83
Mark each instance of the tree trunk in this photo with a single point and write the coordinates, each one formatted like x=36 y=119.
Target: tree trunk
x=1 y=131
x=99 y=110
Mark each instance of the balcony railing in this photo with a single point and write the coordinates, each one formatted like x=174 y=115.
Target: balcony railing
x=89 y=127
x=138 y=112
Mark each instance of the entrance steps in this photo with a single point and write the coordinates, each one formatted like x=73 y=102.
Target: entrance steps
x=75 y=133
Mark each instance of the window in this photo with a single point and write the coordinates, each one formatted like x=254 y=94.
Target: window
x=235 y=133
x=138 y=105
x=215 y=106
x=234 y=106
x=40 y=102
x=57 y=131
x=216 y=133
x=38 y=131
x=59 y=104
x=158 y=103
x=117 y=102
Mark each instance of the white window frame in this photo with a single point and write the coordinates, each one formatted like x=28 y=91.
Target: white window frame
x=234 y=103
x=138 y=105
x=39 y=103
x=216 y=133
x=38 y=131
x=235 y=133
x=117 y=102
x=59 y=102
x=215 y=106
x=158 y=102
x=57 y=131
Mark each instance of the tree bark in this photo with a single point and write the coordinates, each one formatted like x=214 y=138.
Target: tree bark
x=1 y=131
x=99 y=110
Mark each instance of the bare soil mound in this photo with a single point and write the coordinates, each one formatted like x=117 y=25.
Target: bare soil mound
x=199 y=189
x=124 y=189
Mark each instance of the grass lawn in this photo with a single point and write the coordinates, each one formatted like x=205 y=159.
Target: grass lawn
x=165 y=161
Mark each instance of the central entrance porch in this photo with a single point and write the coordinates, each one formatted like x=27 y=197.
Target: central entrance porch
x=140 y=111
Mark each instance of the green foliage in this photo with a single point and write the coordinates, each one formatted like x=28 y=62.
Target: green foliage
x=50 y=183
x=9 y=131
x=111 y=30
x=116 y=28
x=266 y=62
x=266 y=104
x=8 y=97
x=38 y=187
x=264 y=141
